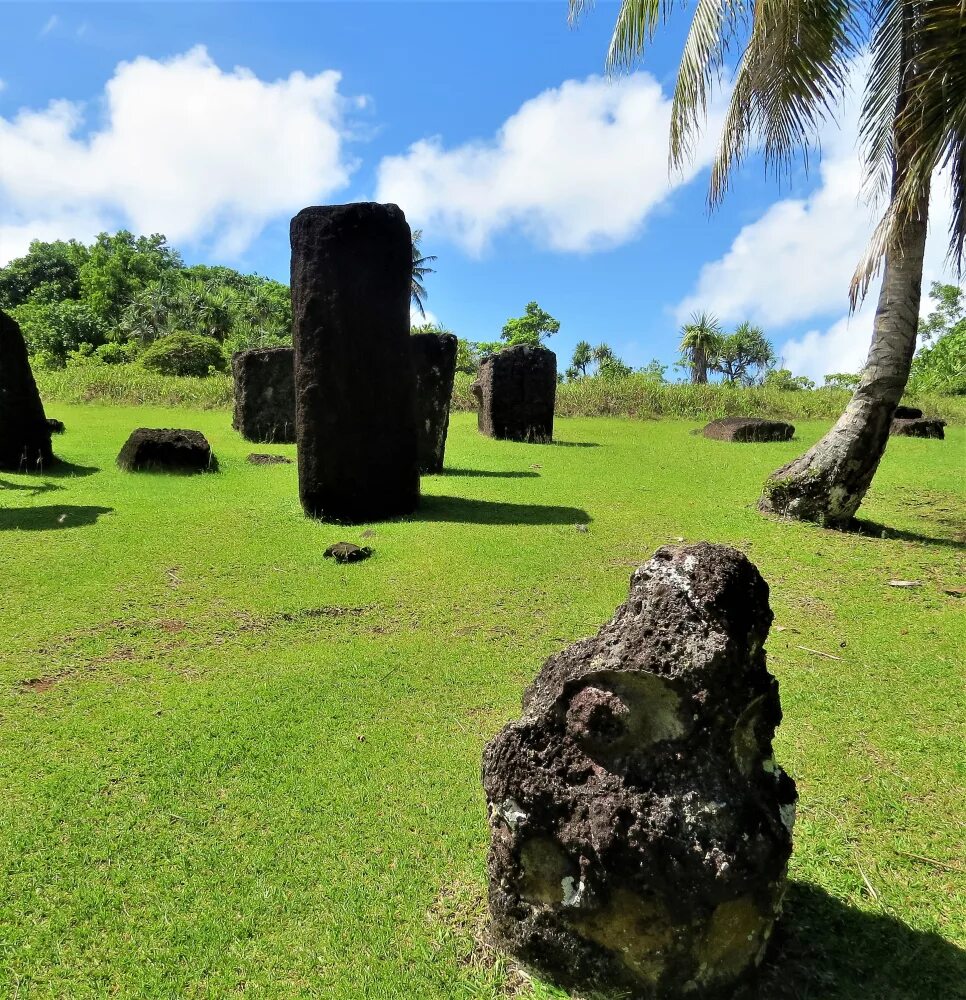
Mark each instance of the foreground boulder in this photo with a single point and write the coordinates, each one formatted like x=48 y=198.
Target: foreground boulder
x=265 y=394
x=919 y=427
x=516 y=389
x=24 y=432
x=640 y=825
x=355 y=391
x=166 y=450
x=434 y=367
x=748 y=429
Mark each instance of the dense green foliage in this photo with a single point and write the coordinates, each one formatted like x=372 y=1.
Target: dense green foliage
x=940 y=365
x=601 y=360
x=133 y=291
x=231 y=768
x=182 y=353
x=533 y=327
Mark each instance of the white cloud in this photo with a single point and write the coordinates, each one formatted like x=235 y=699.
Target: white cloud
x=577 y=168
x=185 y=149
x=417 y=319
x=49 y=25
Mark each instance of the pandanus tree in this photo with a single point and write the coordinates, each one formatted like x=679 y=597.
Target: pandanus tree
x=794 y=62
x=420 y=269
x=699 y=345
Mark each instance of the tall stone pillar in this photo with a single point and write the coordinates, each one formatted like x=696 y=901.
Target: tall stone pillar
x=355 y=409
x=434 y=362
x=24 y=432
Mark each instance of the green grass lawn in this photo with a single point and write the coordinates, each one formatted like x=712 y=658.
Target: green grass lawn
x=233 y=768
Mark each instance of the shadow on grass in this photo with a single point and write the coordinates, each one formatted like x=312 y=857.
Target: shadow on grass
x=487 y=474
x=874 y=530
x=67 y=470
x=463 y=511
x=827 y=950
x=34 y=489
x=575 y=444
x=49 y=518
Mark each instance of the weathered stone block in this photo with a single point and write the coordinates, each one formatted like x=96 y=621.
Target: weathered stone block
x=265 y=394
x=355 y=410
x=434 y=367
x=24 y=432
x=907 y=413
x=920 y=427
x=640 y=825
x=748 y=429
x=150 y=449
x=516 y=390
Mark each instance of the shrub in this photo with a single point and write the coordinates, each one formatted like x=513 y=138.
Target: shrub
x=184 y=354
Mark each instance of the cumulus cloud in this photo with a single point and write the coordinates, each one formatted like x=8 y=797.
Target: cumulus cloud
x=185 y=148
x=577 y=168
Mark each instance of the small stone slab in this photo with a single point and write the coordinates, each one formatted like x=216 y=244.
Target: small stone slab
x=166 y=450
x=748 y=429
x=346 y=552
x=256 y=459
x=907 y=413
x=56 y=426
x=918 y=427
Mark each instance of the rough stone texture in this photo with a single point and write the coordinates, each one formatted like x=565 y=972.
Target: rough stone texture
x=24 y=433
x=166 y=450
x=258 y=459
x=920 y=427
x=347 y=552
x=640 y=825
x=434 y=366
x=748 y=429
x=516 y=389
x=907 y=413
x=56 y=426
x=265 y=394
x=355 y=390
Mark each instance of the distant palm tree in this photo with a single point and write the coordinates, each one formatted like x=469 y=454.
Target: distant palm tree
x=794 y=61
x=699 y=345
x=420 y=270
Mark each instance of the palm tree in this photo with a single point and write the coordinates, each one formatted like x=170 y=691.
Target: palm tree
x=699 y=345
x=420 y=270
x=795 y=58
x=582 y=360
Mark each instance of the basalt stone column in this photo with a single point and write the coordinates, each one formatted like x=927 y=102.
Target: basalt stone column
x=24 y=431
x=265 y=394
x=434 y=365
x=640 y=827
x=516 y=389
x=355 y=413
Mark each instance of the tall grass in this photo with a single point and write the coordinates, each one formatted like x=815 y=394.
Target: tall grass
x=634 y=396
x=638 y=396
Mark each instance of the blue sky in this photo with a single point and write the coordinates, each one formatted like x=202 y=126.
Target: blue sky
x=491 y=124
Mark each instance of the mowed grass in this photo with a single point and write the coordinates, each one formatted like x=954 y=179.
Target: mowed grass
x=233 y=768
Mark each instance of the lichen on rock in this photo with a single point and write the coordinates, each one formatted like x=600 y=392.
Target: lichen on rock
x=639 y=823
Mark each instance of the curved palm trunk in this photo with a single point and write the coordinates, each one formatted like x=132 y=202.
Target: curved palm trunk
x=700 y=367
x=829 y=481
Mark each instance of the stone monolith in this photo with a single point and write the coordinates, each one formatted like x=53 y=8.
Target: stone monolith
x=516 y=389
x=265 y=394
x=434 y=367
x=640 y=827
x=355 y=408
x=24 y=431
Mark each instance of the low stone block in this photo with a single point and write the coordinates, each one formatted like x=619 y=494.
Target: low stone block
x=748 y=429
x=920 y=427
x=56 y=426
x=640 y=826
x=516 y=391
x=24 y=432
x=907 y=413
x=434 y=366
x=166 y=450
x=265 y=394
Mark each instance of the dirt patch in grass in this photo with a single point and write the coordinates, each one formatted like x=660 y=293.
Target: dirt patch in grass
x=38 y=685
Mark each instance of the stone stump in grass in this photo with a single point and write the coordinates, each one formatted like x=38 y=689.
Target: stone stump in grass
x=355 y=410
x=748 y=429
x=516 y=390
x=24 y=431
x=920 y=427
x=907 y=413
x=434 y=367
x=265 y=394
x=166 y=449
x=640 y=826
